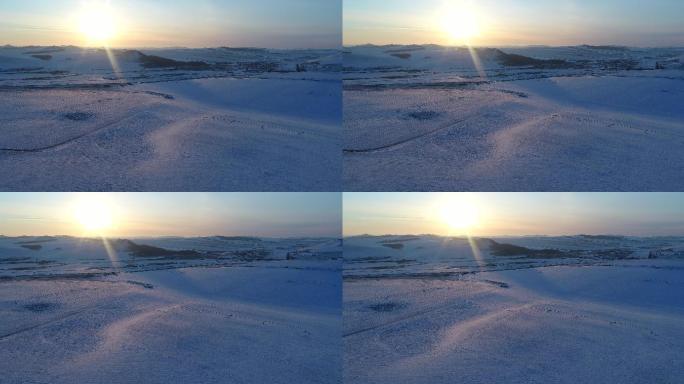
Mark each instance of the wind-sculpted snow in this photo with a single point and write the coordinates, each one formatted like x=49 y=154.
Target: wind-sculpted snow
x=164 y=120
x=422 y=65
x=435 y=256
x=170 y=310
x=54 y=257
x=72 y=67
x=569 y=309
x=539 y=118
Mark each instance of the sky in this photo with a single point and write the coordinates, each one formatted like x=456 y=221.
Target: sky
x=502 y=214
x=173 y=214
x=174 y=23
x=516 y=22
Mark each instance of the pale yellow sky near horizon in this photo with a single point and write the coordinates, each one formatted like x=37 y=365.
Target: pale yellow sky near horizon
x=501 y=214
x=171 y=214
x=178 y=23
x=514 y=22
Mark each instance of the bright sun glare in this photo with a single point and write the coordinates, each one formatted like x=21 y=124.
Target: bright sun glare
x=98 y=25
x=460 y=214
x=461 y=23
x=94 y=216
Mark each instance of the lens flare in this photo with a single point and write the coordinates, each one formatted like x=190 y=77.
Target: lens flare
x=461 y=23
x=460 y=213
x=94 y=216
x=98 y=25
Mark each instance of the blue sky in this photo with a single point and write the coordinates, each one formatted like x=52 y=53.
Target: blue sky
x=192 y=23
x=638 y=214
x=183 y=214
x=519 y=22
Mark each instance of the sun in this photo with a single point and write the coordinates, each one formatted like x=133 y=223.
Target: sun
x=95 y=216
x=98 y=25
x=461 y=24
x=460 y=214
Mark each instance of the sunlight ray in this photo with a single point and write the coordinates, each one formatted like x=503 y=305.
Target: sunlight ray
x=114 y=63
x=111 y=253
x=477 y=62
x=477 y=254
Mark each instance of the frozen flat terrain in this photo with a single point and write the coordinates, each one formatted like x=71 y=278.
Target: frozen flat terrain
x=525 y=310
x=210 y=310
x=585 y=118
x=166 y=120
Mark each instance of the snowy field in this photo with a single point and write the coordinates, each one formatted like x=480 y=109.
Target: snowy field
x=579 y=309
x=171 y=310
x=169 y=119
x=585 y=118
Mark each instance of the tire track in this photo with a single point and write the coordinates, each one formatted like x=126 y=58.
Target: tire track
x=412 y=138
x=406 y=317
x=72 y=139
x=50 y=321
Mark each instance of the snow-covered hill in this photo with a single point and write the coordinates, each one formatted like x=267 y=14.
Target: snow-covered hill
x=69 y=66
x=52 y=256
x=429 y=309
x=170 y=310
x=427 y=255
x=215 y=119
x=585 y=118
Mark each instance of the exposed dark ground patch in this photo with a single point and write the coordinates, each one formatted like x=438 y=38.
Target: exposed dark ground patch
x=79 y=116
x=512 y=60
x=12 y=260
x=521 y=95
x=164 y=95
x=144 y=285
x=53 y=49
x=33 y=247
x=151 y=61
x=614 y=254
x=409 y=48
x=470 y=84
x=43 y=57
x=423 y=115
x=33 y=268
x=41 y=307
x=499 y=284
x=396 y=246
x=141 y=250
x=44 y=239
x=402 y=55
x=503 y=249
x=607 y=47
x=390 y=306
x=56 y=277
x=368 y=260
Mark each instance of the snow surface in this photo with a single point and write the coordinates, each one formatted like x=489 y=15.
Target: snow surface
x=602 y=316
x=245 y=310
x=168 y=120
x=435 y=256
x=550 y=119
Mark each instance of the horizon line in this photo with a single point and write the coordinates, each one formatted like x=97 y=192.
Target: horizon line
x=170 y=236
x=9 y=45
x=510 y=45
x=511 y=235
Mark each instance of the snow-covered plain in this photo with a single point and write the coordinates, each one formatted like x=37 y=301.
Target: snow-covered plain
x=169 y=119
x=584 y=118
x=576 y=309
x=170 y=310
